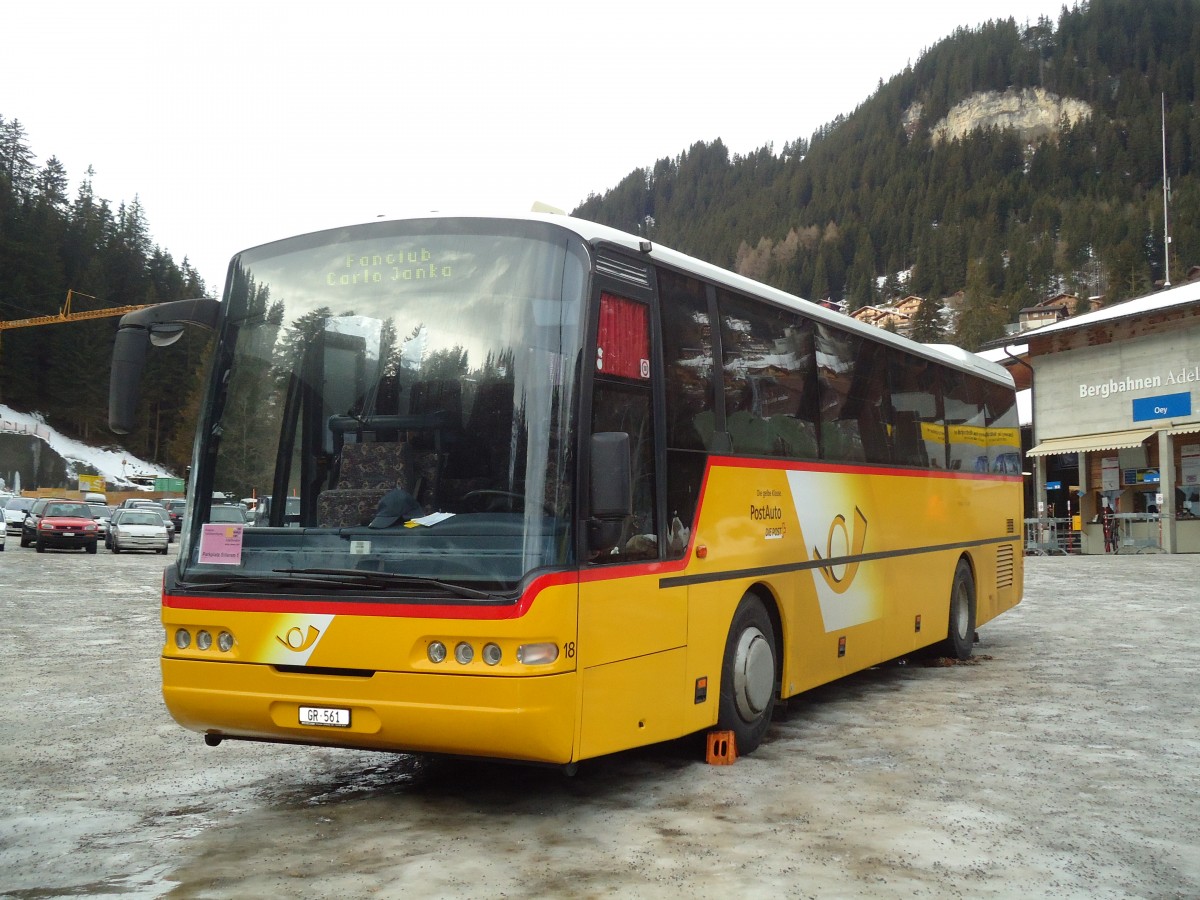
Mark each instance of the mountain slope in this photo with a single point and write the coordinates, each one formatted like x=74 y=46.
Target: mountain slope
x=925 y=176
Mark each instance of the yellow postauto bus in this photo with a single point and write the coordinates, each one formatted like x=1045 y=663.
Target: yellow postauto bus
x=559 y=492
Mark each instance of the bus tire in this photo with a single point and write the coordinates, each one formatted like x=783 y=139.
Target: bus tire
x=960 y=635
x=748 y=675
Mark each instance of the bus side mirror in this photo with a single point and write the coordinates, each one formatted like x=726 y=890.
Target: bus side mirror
x=610 y=481
x=161 y=324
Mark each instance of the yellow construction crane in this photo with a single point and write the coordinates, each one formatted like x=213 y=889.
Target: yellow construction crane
x=65 y=314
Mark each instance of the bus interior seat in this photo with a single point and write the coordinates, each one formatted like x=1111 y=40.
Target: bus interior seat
x=366 y=471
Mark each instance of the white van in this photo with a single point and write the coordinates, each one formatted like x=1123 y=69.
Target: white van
x=95 y=497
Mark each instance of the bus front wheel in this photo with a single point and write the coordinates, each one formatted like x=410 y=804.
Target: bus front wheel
x=960 y=637
x=748 y=675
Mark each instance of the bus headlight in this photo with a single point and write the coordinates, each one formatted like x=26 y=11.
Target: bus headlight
x=463 y=653
x=203 y=640
x=436 y=652
x=183 y=638
x=224 y=641
x=537 y=654
x=491 y=654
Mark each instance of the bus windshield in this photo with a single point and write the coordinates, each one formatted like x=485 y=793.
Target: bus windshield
x=409 y=387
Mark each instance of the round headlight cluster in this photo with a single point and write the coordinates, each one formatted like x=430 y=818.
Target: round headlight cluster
x=203 y=640
x=464 y=653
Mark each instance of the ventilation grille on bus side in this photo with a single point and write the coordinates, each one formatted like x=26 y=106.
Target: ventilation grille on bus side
x=1004 y=566
x=623 y=270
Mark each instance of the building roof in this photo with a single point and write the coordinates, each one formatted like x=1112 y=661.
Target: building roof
x=1184 y=295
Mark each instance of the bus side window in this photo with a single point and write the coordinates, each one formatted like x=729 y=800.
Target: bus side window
x=856 y=409
x=769 y=378
x=688 y=361
x=966 y=423
x=690 y=417
x=617 y=407
x=919 y=434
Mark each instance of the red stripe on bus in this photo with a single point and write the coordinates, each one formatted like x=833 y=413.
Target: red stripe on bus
x=518 y=609
x=465 y=610
x=734 y=462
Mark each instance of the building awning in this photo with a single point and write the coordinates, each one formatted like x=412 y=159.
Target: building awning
x=1188 y=428
x=1108 y=440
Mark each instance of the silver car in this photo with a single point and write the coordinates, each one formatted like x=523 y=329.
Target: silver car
x=136 y=529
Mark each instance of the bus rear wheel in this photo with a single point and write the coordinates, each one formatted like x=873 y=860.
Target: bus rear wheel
x=960 y=637
x=748 y=675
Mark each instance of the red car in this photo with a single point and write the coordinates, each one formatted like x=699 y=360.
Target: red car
x=68 y=525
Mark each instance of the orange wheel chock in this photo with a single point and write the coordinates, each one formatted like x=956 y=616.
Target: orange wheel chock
x=722 y=748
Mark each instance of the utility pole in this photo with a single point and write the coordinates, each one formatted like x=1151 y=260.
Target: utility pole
x=1166 y=194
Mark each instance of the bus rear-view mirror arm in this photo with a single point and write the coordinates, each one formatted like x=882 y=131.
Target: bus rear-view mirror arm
x=161 y=324
x=610 y=486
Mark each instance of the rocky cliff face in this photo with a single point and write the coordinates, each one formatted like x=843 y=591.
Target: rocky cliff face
x=1033 y=113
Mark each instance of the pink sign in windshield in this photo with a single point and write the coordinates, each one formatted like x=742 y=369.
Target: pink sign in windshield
x=221 y=545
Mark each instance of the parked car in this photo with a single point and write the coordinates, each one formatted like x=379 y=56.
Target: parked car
x=112 y=521
x=102 y=513
x=227 y=513
x=131 y=502
x=33 y=515
x=3 y=532
x=66 y=524
x=137 y=529
x=159 y=511
x=175 y=508
x=14 y=513
x=262 y=512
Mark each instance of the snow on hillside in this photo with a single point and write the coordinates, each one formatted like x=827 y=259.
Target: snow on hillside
x=115 y=465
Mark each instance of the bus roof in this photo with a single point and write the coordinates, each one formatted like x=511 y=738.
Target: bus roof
x=595 y=235
x=949 y=354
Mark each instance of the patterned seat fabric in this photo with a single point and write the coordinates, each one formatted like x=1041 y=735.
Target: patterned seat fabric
x=366 y=472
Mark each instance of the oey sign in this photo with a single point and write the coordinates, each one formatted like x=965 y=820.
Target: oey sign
x=1164 y=406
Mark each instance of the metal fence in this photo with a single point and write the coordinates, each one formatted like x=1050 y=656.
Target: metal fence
x=1046 y=536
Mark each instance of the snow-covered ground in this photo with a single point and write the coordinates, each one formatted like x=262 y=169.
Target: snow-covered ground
x=114 y=464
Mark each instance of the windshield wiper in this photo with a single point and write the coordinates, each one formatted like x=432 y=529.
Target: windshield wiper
x=381 y=579
x=230 y=582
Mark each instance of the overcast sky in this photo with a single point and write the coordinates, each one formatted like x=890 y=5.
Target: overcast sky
x=239 y=123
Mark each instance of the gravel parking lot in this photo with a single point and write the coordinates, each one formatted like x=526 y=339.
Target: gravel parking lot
x=1063 y=763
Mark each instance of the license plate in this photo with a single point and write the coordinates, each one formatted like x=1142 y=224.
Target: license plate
x=324 y=715
x=68 y=534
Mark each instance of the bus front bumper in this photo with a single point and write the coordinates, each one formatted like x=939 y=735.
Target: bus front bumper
x=530 y=718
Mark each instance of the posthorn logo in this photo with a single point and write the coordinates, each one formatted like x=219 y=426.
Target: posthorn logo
x=298 y=641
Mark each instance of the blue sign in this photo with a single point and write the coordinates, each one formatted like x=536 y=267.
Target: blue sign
x=1166 y=406
x=1054 y=485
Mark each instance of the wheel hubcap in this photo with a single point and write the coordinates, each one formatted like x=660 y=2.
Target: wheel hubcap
x=753 y=674
x=961 y=610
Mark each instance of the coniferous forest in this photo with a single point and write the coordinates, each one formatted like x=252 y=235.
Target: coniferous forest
x=874 y=205
x=52 y=241
x=1009 y=221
